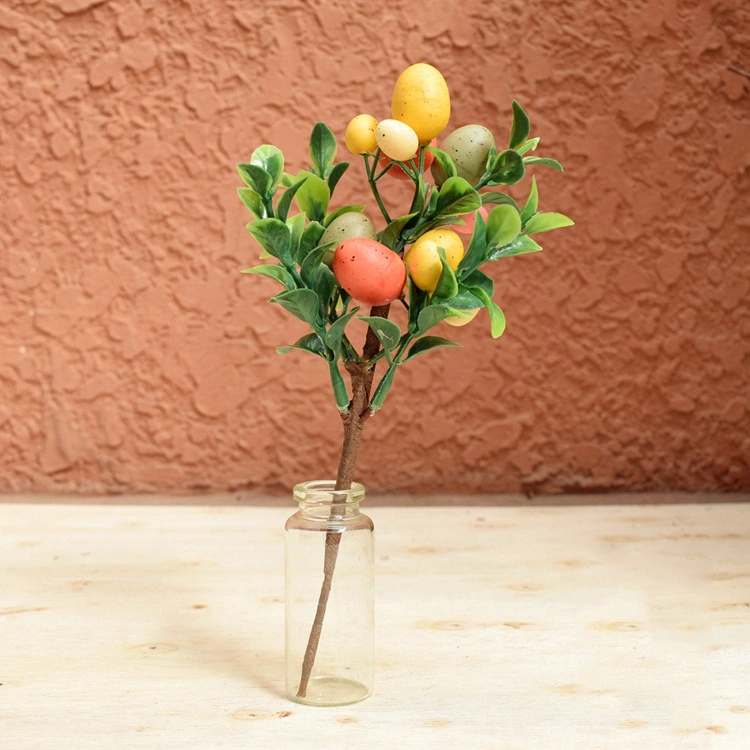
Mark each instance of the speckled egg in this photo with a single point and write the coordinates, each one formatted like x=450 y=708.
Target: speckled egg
x=396 y=140
x=469 y=148
x=344 y=227
x=371 y=272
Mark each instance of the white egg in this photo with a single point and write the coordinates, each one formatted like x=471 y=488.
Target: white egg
x=396 y=140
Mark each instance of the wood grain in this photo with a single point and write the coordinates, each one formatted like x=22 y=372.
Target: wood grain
x=597 y=627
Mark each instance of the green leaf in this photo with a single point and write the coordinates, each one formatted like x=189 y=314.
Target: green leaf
x=464 y=300
x=431 y=316
x=313 y=197
x=296 y=226
x=499 y=199
x=503 y=226
x=447 y=285
x=271 y=160
x=491 y=156
x=322 y=148
x=275 y=237
x=497 y=318
x=420 y=346
x=441 y=221
x=478 y=281
x=532 y=202
x=277 y=273
x=457 y=197
x=340 y=393
x=521 y=245
x=282 y=208
x=309 y=266
x=542 y=162
x=343 y=210
x=390 y=234
x=474 y=256
x=335 y=333
x=420 y=196
x=376 y=402
x=336 y=174
x=519 y=131
x=530 y=145
x=418 y=300
x=309 y=239
x=445 y=168
x=388 y=333
x=310 y=343
x=317 y=276
x=252 y=202
x=324 y=283
x=432 y=205
x=507 y=168
x=543 y=222
x=255 y=177
x=302 y=303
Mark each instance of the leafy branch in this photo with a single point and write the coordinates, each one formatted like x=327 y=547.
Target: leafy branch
x=303 y=257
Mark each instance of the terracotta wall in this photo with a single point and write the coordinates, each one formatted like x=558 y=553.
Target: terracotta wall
x=135 y=357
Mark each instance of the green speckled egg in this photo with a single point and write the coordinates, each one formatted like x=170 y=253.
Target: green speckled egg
x=469 y=148
x=344 y=227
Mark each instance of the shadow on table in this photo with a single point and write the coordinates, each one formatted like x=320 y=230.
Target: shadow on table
x=245 y=656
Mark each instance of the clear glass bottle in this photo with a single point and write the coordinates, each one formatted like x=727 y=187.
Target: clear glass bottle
x=329 y=553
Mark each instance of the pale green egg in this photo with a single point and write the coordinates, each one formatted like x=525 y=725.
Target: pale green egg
x=469 y=147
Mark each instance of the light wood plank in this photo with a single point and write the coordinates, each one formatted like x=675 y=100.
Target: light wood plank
x=551 y=628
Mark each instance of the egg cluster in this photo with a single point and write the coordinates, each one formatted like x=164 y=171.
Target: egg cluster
x=420 y=110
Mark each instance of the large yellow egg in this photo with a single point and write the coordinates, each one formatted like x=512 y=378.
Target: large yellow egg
x=396 y=140
x=421 y=100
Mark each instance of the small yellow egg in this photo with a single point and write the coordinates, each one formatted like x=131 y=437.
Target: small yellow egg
x=360 y=134
x=396 y=140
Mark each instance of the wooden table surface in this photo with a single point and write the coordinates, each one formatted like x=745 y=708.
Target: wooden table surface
x=551 y=628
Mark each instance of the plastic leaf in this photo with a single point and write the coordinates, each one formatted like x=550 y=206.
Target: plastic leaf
x=271 y=160
x=388 y=333
x=322 y=148
x=302 y=303
x=519 y=130
x=503 y=226
x=545 y=221
x=277 y=273
x=425 y=344
x=275 y=237
x=457 y=197
x=310 y=343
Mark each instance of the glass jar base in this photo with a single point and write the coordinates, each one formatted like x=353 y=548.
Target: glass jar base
x=331 y=691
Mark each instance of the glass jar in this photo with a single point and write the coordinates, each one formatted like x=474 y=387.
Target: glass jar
x=329 y=618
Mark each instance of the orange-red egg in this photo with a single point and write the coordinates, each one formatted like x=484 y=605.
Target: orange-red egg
x=371 y=272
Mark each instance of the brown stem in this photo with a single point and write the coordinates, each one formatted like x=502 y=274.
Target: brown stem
x=354 y=423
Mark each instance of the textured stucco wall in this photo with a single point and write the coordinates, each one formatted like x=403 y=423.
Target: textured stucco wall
x=135 y=357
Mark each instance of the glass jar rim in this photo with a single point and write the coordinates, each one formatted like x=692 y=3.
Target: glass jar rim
x=322 y=492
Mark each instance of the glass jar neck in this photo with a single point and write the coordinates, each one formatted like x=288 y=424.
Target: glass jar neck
x=321 y=499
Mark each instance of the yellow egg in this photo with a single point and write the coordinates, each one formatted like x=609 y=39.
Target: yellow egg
x=360 y=134
x=396 y=140
x=423 y=259
x=421 y=100
x=461 y=320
